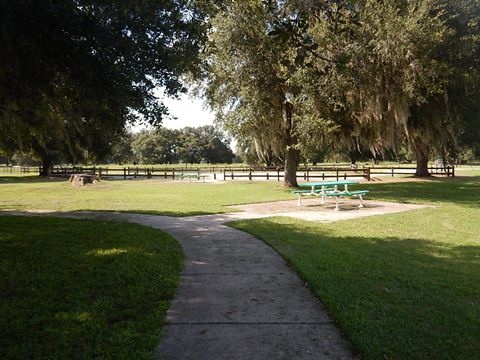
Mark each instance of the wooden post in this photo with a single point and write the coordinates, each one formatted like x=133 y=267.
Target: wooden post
x=224 y=171
x=278 y=174
x=345 y=176
x=173 y=173
x=337 y=174
x=268 y=175
x=250 y=175
x=392 y=171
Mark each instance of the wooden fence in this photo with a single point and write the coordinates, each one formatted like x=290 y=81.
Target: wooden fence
x=125 y=172
x=229 y=173
x=395 y=170
x=307 y=174
x=4 y=169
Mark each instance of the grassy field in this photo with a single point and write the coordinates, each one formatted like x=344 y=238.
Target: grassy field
x=144 y=196
x=73 y=289
x=401 y=286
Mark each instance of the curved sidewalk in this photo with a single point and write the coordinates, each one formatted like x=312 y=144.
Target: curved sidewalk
x=238 y=299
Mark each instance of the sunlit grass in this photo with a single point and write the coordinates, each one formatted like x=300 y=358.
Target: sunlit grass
x=145 y=196
x=401 y=286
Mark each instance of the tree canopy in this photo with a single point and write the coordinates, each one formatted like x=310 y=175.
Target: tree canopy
x=352 y=75
x=72 y=73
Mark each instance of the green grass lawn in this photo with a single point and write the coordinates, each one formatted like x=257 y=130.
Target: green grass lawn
x=144 y=196
x=401 y=286
x=77 y=289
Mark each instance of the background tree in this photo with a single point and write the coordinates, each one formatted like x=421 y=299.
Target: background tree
x=74 y=72
x=217 y=148
x=247 y=81
x=401 y=72
x=158 y=146
x=121 y=151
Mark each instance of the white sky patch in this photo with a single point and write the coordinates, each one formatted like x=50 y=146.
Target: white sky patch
x=187 y=110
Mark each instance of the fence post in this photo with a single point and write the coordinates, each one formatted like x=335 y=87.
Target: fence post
x=173 y=173
x=345 y=176
x=278 y=174
x=392 y=171
x=250 y=175
x=337 y=174
x=268 y=175
x=368 y=173
x=224 y=171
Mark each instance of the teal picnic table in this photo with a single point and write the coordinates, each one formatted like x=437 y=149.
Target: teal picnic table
x=326 y=189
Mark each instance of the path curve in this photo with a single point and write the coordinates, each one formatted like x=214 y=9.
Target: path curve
x=238 y=299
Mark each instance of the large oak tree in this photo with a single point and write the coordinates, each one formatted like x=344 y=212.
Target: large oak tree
x=73 y=72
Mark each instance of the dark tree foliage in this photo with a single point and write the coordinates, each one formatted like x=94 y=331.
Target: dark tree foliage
x=168 y=146
x=73 y=72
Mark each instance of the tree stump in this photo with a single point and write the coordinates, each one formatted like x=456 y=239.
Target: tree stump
x=82 y=179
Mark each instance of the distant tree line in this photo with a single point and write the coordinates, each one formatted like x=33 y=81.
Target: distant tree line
x=191 y=145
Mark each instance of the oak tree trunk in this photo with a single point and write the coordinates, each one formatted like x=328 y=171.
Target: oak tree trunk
x=46 y=165
x=292 y=155
x=421 y=153
x=292 y=158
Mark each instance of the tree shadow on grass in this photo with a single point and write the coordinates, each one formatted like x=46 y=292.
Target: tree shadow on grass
x=27 y=179
x=393 y=297
x=464 y=191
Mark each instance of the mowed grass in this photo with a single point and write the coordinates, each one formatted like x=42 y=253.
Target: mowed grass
x=143 y=196
x=75 y=289
x=400 y=286
x=463 y=191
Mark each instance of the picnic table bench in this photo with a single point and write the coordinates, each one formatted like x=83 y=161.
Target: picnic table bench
x=330 y=189
x=191 y=175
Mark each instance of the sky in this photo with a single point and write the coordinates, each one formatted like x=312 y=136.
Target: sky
x=189 y=111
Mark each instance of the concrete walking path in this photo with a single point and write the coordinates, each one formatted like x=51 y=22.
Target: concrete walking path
x=237 y=297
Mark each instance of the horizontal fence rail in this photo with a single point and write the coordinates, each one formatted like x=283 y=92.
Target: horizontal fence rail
x=228 y=173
